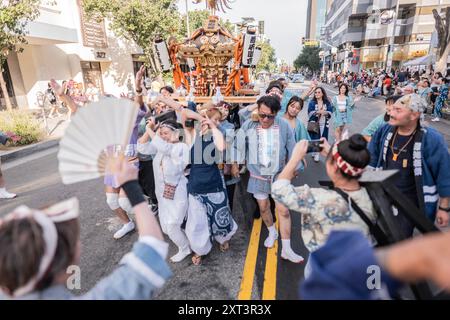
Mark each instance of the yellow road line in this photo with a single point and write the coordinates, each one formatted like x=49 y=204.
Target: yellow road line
x=270 y=274
x=245 y=293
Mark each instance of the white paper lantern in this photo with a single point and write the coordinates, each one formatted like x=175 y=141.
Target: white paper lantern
x=249 y=49
x=256 y=56
x=162 y=54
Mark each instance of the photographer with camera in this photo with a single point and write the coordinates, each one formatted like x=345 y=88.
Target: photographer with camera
x=326 y=210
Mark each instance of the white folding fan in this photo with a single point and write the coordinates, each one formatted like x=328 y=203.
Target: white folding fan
x=95 y=130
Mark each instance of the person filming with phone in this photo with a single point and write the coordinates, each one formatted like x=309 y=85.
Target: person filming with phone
x=326 y=210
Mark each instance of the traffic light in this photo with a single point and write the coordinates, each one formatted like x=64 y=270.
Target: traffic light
x=303 y=41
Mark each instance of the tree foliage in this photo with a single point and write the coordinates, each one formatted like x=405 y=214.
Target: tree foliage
x=268 y=61
x=308 y=58
x=196 y=21
x=14 y=17
x=139 y=20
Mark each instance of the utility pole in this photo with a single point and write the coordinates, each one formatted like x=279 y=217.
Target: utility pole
x=187 y=20
x=390 y=51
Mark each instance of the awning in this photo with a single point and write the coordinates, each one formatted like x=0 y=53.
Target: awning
x=422 y=61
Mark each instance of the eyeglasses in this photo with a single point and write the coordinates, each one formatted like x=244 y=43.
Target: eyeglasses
x=268 y=116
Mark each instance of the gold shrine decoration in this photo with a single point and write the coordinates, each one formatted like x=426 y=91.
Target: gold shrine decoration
x=211 y=48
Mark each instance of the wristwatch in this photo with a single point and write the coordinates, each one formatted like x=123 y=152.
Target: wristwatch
x=444 y=209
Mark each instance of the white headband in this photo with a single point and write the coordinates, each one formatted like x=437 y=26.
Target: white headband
x=63 y=211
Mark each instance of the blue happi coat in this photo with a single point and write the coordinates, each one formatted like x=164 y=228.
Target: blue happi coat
x=431 y=164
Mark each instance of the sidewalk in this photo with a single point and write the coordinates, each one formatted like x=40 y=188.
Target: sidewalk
x=56 y=128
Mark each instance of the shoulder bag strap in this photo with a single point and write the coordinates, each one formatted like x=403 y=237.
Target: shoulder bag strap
x=375 y=230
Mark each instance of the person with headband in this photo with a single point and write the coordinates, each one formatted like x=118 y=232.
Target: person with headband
x=47 y=243
x=420 y=155
x=209 y=213
x=322 y=210
x=171 y=158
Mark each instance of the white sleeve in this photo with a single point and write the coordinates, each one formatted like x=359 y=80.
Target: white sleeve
x=146 y=148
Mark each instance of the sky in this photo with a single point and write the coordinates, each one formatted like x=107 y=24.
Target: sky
x=285 y=21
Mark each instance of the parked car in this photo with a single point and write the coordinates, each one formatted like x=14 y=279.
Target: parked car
x=298 y=78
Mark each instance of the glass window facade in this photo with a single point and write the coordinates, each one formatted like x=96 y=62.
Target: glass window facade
x=321 y=16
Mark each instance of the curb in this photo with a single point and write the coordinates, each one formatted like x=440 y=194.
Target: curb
x=27 y=150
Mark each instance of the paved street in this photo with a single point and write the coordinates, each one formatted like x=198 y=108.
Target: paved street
x=38 y=184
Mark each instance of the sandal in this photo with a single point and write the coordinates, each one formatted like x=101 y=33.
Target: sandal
x=196 y=260
x=224 y=247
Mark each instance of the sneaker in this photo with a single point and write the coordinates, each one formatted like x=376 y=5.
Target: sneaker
x=291 y=256
x=270 y=240
x=126 y=228
x=316 y=158
x=7 y=195
x=181 y=255
x=435 y=120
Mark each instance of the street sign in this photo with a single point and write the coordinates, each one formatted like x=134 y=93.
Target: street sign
x=311 y=43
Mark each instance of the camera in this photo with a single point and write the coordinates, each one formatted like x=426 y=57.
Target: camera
x=314 y=146
x=169 y=115
x=190 y=123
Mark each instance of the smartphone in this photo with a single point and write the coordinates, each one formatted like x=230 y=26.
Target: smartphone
x=314 y=146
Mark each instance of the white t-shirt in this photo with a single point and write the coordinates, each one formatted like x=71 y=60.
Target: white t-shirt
x=342 y=105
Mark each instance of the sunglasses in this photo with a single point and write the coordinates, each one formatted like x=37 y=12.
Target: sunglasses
x=268 y=116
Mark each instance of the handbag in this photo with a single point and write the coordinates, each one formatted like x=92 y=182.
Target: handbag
x=313 y=127
x=169 y=189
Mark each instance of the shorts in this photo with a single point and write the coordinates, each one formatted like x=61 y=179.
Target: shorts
x=261 y=196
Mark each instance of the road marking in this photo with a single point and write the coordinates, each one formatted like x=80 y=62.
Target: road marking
x=248 y=276
x=270 y=274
